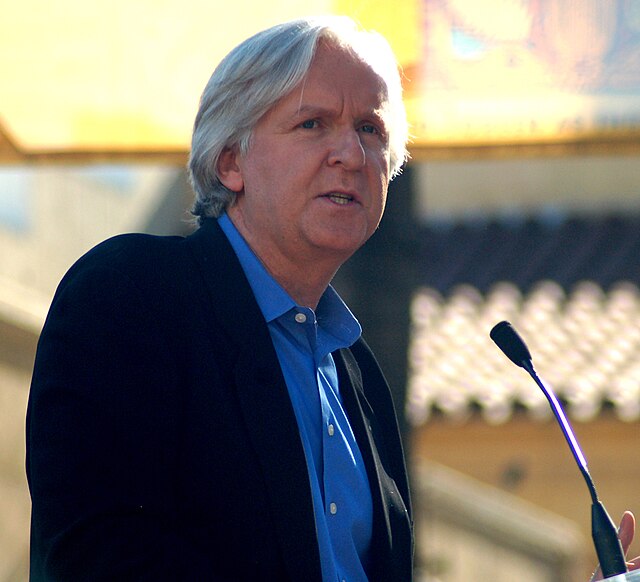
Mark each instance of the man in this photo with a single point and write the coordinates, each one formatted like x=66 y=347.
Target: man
x=204 y=408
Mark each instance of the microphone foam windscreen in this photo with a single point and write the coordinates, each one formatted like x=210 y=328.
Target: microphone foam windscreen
x=508 y=340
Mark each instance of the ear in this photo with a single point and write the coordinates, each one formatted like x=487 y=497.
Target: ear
x=228 y=170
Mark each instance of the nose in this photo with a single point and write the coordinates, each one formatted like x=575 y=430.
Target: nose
x=347 y=150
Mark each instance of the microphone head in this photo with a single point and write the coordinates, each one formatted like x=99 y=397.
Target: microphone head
x=513 y=346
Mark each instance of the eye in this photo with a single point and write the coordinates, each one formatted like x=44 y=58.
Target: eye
x=370 y=128
x=309 y=124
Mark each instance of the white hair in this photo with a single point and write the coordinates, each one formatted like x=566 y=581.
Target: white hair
x=261 y=71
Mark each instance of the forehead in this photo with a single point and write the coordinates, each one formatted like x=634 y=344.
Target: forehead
x=337 y=81
x=335 y=67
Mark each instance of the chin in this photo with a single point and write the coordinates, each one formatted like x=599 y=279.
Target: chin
x=343 y=248
x=342 y=241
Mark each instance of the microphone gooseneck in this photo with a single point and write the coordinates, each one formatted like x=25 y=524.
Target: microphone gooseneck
x=604 y=533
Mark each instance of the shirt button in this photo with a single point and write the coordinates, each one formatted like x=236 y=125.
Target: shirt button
x=330 y=430
x=333 y=508
x=300 y=317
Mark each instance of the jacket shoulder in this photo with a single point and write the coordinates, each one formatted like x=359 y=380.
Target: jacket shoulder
x=124 y=251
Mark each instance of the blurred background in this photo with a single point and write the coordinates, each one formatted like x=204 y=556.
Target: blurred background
x=521 y=202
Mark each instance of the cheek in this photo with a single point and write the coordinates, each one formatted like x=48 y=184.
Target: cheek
x=383 y=187
x=257 y=177
x=379 y=167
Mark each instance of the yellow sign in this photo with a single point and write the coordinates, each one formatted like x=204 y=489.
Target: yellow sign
x=517 y=71
x=122 y=76
x=126 y=75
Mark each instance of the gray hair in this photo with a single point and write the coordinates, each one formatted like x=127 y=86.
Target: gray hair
x=261 y=71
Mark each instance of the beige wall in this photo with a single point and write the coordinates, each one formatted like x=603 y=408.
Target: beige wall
x=70 y=210
x=468 y=530
x=14 y=496
x=532 y=461
x=592 y=183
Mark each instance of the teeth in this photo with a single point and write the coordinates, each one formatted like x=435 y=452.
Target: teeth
x=340 y=198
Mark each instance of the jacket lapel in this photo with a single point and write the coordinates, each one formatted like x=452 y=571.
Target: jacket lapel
x=362 y=419
x=267 y=410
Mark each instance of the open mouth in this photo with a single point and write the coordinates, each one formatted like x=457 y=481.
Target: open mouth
x=341 y=199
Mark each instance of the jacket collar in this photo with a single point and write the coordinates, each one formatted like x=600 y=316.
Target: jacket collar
x=361 y=417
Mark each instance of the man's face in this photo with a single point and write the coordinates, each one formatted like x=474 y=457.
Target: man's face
x=312 y=187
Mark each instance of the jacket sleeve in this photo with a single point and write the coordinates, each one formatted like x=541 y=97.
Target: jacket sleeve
x=102 y=424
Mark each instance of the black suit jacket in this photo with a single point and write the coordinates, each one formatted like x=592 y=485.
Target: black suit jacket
x=161 y=441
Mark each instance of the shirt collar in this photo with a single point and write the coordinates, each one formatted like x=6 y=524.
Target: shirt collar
x=332 y=313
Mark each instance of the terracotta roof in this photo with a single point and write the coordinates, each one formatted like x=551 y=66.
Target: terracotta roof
x=570 y=287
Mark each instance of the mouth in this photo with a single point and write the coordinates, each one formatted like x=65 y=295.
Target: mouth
x=340 y=198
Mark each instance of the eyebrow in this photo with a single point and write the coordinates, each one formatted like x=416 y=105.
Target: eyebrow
x=313 y=110
x=318 y=110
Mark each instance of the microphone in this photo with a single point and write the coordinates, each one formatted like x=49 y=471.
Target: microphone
x=603 y=530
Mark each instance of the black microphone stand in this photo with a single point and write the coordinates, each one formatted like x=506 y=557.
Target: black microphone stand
x=603 y=530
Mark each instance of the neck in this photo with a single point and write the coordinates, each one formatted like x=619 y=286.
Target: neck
x=305 y=277
x=305 y=281
x=304 y=288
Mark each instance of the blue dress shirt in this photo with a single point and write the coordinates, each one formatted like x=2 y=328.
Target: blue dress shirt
x=304 y=340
